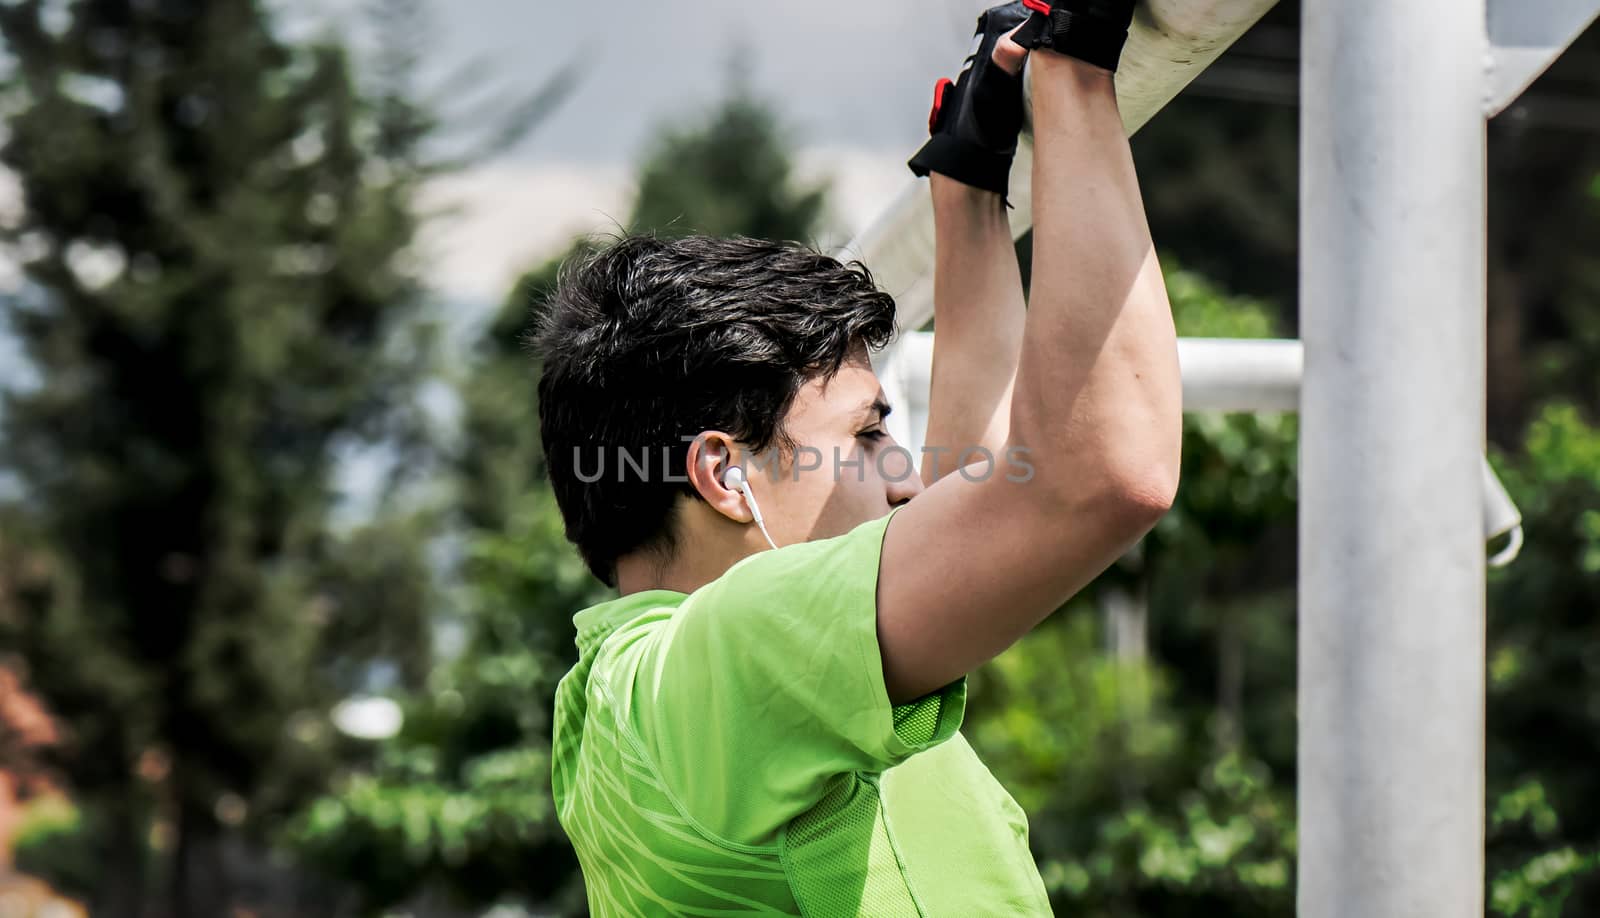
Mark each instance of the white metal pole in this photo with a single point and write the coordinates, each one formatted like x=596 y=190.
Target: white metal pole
x=1391 y=697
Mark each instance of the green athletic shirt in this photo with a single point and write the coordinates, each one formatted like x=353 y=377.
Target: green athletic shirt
x=733 y=751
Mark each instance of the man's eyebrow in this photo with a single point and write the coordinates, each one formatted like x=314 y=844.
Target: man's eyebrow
x=878 y=405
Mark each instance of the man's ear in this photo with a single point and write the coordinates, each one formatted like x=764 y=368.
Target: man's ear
x=711 y=454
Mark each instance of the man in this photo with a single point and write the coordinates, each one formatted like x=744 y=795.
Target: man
x=765 y=721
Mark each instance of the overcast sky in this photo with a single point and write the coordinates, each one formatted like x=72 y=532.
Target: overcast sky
x=845 y=72
x=851 y=79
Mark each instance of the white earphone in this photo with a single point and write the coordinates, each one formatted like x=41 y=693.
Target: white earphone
x=734 y=478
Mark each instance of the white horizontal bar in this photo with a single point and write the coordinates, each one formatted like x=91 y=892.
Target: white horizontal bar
x=1237 y=374
x=1219 y=375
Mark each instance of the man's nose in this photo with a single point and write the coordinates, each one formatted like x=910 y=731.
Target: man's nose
x=906 y=487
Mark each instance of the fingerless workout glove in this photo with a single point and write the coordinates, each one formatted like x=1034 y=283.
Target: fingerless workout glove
x=1093 y=31
x=976 y=119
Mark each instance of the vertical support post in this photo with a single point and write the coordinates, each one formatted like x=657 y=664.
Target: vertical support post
x=1393 y=240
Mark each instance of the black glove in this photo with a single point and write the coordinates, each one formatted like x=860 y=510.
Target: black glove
x=975 y=120
x=1089 y=30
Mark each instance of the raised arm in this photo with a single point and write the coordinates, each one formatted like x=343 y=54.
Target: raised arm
x=969 y=566
x=979 y=311
x=977 y=288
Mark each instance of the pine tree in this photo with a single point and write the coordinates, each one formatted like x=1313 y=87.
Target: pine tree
x=214 y=232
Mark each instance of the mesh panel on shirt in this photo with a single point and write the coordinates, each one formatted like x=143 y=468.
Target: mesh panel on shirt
x=917 y=723
x=840 y=858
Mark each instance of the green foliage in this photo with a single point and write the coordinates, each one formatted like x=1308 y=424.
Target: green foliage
x=1125 y=818
x=498 y=459
x=487 y=828
x=1239 y=470
x=45 y=817
x=1061 y=722
x=460 y=799
x=52 y=840
x=1201 y=310
x=1544 y=698
x=1228 y=840
x=1539 y=886
x=218 y=303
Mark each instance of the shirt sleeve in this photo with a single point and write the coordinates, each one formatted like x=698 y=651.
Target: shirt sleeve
x=767 y=684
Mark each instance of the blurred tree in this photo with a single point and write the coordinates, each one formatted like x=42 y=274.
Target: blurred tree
x=216 y=233
x=1544 y=675
x=732 y=175
x=460 y=799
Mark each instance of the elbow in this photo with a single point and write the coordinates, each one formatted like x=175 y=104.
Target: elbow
x=1139 y=490
x=1120 y=487
x=1120 y=499
x=1144 y=480
x=1141 y=494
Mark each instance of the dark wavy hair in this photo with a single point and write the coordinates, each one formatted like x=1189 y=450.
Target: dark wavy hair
x=651 y=340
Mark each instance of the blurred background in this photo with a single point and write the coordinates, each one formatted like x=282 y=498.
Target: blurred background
x=283 y=598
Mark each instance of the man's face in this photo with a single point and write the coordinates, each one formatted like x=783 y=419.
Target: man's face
x=845 y=470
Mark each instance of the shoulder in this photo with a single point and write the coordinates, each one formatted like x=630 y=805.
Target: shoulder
x=801 y=571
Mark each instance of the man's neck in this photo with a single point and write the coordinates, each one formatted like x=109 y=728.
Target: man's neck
x=706 y=546
x=645 y=571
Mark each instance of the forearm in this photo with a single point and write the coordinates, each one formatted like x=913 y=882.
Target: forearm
x=972 y=564
x=1098 y=398
x=979 y=316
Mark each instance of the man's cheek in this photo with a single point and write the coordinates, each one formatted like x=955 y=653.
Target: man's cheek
x=808 y=460
x=852 y=464
x=894 y=464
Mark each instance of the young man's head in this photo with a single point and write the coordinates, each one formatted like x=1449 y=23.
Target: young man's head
x=666 y=362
